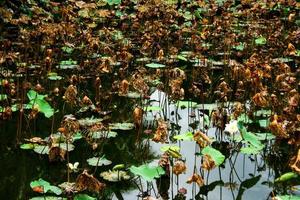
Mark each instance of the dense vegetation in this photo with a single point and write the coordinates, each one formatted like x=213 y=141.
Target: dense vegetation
x=114 y=77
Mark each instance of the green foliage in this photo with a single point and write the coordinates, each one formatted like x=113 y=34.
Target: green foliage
x=97 y=161
x=286 y=177
x=146 y=172
x=155 y=65
x=47 y=187
x=216 y=155
x=261 y=41
x=83 y=197
x=37 y=101
x=186 y=136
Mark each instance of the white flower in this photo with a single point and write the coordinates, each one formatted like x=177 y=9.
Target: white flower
x=232 y=127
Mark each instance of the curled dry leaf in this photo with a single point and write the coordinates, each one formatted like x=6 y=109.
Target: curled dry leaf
x=196 y=178
x=179 y=167
x=137 y=116
x=208 y=163
x=201 y=139
x=88 y=182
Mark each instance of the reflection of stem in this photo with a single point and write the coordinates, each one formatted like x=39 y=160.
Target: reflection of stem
x=68 y=161
x=232 y=165
x=220 y=177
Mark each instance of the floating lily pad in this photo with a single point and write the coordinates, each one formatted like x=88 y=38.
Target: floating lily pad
x=89 y=121
x=96 y=161
x=146 y=172
x=103 y=134
x=115 y=175
x=41 y=149
x=121 y=126
x=155 y=65
x=45 y=187
x=134 y=95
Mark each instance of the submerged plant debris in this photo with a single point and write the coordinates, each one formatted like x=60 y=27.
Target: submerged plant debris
x=150 y=99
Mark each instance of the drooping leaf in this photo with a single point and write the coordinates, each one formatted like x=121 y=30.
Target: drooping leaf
x=215 y=154
x=146 y=172
x=96 y=161
x=247 y=184
x=207 y=188
x=172 y=151
x=287 y=176
x=27 y=146
x=186 y=136
x=83 y=197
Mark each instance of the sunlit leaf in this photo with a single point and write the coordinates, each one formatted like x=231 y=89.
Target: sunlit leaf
x=27 y=146
x=155 y=65
x=260 y=40
x=186 y=136
x=288 y=197
x=287 y=176
x=146 y=172
x=216 y=155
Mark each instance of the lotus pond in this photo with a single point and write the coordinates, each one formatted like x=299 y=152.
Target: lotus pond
x=150 y=100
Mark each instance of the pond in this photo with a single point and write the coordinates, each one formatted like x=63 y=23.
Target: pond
x=150 y=100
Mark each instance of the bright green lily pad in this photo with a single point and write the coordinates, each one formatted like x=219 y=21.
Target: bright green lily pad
x=215 y=154
x=260 y=40
x=155 y=65
x=146 y=172
x=186 y=136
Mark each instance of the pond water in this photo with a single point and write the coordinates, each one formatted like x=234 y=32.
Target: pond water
x=20 y=167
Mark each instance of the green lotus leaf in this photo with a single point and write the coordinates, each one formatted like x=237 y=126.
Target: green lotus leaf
x=97 y=161
x=41 y=149
x=146 y=172
x=83 y=197
x=155 y=65
x=287 y=176
x=115 y=175
x=186 y=136
x=47 y=187
x=121 y=126
x=215 y=154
